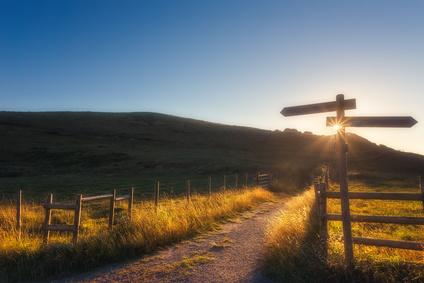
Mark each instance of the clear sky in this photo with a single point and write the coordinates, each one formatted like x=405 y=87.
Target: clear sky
x=235 y=62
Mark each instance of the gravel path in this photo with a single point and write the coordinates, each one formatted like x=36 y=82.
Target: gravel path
x=230 y=254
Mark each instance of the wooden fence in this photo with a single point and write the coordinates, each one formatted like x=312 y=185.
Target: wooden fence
x=260 y=179
x=76 y=207
x=323 y=194
x=264 y=179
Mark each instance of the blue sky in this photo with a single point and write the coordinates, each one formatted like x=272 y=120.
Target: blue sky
x=235 y=62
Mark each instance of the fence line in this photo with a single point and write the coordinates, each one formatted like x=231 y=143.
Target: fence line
x=261 y=179
x=322 y=195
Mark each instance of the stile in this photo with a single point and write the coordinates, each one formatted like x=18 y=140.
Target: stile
x=77 y=219
x=112 y=209
x=47 y=219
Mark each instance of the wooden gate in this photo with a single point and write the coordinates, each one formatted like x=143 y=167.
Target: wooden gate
x=323 y=194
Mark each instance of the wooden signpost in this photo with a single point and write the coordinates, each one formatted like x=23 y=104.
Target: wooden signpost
x=340 y=105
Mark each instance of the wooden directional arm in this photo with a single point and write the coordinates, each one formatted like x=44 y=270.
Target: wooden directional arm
x=372 y=121
x=317 y=108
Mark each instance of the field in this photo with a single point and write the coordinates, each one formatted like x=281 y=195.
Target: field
x=149 y=229
x=303 y=259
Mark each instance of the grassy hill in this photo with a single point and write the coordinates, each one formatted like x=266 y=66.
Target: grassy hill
x=73 y=152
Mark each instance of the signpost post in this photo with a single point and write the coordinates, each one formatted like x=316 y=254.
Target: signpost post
x=340 y=105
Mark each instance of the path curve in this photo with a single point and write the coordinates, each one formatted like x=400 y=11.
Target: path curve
x=231 y=254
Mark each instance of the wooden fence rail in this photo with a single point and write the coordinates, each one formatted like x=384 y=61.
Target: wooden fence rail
x=263 y=179
x=49 y=205
x=322 y=195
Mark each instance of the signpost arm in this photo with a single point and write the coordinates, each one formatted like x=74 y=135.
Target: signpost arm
x=342 y=152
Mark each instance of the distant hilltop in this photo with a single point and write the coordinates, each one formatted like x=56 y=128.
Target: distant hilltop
x=46 y=145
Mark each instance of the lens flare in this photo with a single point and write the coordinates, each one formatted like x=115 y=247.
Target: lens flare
x=337 y=127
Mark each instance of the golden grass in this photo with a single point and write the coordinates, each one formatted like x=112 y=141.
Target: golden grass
x=295 y=252
x=376 y=230
x=173 y=221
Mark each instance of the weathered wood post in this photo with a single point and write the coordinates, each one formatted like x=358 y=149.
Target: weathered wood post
x=130 y=202
x=257 y=178
x=225 y=182
x=47 y=218
x=188 y=192
x=19 y=214
x=422 y=189
x=156 y=194
x=210 y=186
x=77 y=218
x=236 y=181
x=344 y=190
x=245 y=180
x=112 y=209
x=317 y=200
x=323 y=216
x=327 y=178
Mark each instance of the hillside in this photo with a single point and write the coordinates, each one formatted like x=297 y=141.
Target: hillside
x=75 y=151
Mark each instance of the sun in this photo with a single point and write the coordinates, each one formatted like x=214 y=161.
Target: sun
x=337 y=127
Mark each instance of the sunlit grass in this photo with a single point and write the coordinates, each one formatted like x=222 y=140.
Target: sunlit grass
x=295 y=251
x=174 y=220
x=376 y=230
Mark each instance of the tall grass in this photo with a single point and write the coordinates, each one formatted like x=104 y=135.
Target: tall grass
x=174 y=220
x=295 y=252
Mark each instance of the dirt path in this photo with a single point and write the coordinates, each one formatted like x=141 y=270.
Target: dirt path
x=231 y=254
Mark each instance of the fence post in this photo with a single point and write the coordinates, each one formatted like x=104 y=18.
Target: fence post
x=422 y=189
x=77 y=218
x=157 y=188
x=130 y=202
x=317 y=200
x=210 y=186
x=47 y=219
x=236 y=181
x=323 y=216
x=112 y=209
x=245 y=180
x=327 y=178
x=341 y=149
x=225 y=182
x=19 y=214
x=188 y=191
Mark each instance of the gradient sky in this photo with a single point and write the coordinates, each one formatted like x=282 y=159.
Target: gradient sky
x=235 y=62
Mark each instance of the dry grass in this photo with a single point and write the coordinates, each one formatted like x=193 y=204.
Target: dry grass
x=295 y=252
x=174 y=220
x=376 y=230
